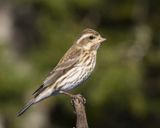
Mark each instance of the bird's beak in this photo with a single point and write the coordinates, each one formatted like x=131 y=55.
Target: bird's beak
x=102 y=39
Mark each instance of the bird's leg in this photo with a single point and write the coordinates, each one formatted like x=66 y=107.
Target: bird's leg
x=78 y=96
x=66 y=93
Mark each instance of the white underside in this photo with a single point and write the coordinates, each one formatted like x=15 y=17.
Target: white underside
x=70 y=80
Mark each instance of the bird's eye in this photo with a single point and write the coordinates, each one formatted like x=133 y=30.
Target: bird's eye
x=91 y=37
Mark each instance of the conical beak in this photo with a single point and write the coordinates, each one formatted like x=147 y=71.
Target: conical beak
x=102 y=39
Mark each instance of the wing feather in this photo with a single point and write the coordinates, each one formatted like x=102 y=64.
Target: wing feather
x=68 y=61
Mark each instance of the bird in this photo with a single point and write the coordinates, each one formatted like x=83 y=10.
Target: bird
x=74 y=67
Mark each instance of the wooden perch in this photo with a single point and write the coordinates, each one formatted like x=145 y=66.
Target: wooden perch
x=78 y=102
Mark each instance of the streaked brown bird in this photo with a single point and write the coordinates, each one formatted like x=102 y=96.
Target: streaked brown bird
x=75 y=67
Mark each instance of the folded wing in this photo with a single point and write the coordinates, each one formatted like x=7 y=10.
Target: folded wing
x=69 y=60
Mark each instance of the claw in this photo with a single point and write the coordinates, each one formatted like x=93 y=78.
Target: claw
x=80 y=98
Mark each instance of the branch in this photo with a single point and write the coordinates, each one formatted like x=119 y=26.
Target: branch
x=78 y=102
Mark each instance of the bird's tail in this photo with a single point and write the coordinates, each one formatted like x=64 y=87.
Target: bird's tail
x=29 y=104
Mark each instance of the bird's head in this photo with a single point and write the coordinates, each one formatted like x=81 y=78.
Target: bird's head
x=90 y=39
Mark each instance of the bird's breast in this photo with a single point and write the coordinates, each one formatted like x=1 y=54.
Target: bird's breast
x=78 y=73
x=88 y=60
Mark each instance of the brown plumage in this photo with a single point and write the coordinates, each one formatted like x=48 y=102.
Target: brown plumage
x=74 y=67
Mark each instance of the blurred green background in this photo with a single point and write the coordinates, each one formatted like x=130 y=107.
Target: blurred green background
x=123 y=91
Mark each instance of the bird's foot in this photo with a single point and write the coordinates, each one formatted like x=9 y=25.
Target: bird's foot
x=78 y=97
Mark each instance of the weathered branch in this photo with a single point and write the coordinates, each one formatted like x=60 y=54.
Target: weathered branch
x=78 y=103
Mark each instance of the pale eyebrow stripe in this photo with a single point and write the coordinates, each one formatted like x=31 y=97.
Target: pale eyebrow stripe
x=82 y=37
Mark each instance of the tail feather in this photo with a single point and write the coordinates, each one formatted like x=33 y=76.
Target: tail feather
x=29 y=104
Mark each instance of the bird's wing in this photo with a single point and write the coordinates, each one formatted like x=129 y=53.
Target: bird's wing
x=66 y=63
